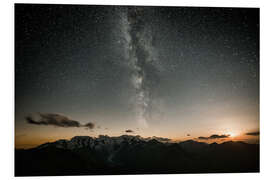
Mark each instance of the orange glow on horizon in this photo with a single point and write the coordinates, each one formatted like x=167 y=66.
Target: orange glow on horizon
x=33 y=141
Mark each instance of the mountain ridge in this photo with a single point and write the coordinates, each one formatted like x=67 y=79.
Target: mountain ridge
x=119 y=139
x=126 y=154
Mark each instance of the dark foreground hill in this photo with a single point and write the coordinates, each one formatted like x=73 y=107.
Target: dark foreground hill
x=84 y=155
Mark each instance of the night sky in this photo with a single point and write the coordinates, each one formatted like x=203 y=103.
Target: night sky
x=174 y=72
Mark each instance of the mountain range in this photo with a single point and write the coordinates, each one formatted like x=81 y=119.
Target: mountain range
x=104 y=155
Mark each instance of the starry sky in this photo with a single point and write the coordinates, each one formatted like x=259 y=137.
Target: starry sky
x=174 y=72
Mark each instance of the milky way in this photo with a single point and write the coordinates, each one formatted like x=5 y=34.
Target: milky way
x=140 y=54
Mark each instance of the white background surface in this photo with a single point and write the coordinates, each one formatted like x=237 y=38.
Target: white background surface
x=7 y=86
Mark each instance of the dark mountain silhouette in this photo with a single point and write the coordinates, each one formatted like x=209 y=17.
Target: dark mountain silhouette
x=84 y=155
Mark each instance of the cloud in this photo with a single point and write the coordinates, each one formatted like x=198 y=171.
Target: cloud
x=203 y=138
x=52 y=119
x=90 y=125
x=30 y=120
x=256 y=133
x=129 y=131
x=55 y=120
x=214 y=136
